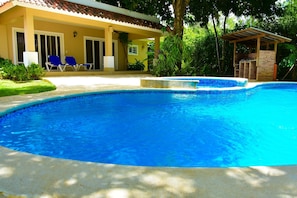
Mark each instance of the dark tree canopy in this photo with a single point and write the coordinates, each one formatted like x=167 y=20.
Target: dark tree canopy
x=159 y=8
x=202 y=9
x=175 y=12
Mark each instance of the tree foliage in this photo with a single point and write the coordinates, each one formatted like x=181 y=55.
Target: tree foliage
x=159 y=8
x=218 y=11
x=169 y=58
x=285 y=25
x=213 y=15
x=202 y=9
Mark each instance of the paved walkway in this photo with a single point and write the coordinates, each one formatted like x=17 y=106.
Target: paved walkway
x=27 y=175
x=76 y=84
x=96 y=82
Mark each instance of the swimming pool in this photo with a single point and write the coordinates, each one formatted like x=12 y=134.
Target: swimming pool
x=213 y=129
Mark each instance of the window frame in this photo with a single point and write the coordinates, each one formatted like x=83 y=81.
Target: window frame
x=134 y=50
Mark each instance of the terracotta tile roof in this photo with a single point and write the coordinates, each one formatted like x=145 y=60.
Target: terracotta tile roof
x=2 y=2
x=87 y=10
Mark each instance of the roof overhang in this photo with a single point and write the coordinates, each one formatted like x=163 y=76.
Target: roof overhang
x=78 y=9
x=252 y=34
x=5 y=5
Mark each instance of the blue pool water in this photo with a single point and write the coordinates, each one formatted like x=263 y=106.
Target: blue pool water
x=246 y=127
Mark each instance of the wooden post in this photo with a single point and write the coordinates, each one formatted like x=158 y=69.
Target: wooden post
x=275 y=47
x=274 y=71
x=258 y=50
x=234 y=59
x=275 y=64
x=258 y=56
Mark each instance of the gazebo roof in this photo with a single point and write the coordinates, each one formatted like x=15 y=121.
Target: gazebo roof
x=251 y=34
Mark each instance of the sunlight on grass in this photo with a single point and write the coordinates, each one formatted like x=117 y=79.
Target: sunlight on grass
x=8 y=87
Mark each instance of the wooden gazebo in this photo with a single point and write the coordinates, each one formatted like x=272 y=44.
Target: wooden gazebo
x=259 y=61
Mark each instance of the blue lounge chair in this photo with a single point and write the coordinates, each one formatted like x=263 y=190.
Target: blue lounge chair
x=70 y=60
x=55 y=62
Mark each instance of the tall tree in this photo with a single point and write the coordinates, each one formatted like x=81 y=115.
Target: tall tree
x=179 y=8
x=218 y=11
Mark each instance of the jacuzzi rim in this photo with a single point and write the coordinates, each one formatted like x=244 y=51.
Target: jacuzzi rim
x=190 y=82
x=205 y=77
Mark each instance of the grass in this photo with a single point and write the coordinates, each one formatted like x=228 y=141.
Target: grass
x=8 y=87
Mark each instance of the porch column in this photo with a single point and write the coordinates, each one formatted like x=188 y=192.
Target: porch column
x=157 y=50
x=108 y=58
x=30 y=56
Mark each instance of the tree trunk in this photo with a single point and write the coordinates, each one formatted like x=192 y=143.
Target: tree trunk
x=179 y=8
x=224 y=47
x=217 y=43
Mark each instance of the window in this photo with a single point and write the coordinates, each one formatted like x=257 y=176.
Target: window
x=133 y=49
x=20 y=37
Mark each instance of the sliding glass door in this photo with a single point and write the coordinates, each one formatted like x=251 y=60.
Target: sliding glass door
x=95 y=51
x=46 y=44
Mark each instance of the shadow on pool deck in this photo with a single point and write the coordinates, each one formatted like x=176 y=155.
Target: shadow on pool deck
x=36 y=176
x=27 y=175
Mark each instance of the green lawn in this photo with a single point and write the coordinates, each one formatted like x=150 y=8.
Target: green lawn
x=8 y=87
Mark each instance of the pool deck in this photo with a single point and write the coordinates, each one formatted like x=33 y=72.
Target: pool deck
x=24 y=175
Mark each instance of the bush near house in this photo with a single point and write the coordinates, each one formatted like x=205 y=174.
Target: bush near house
x=169 y=57
x=19 y=72
x=138 y=65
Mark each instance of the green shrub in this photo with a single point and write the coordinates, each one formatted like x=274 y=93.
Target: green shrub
x=169 y=57
x=4 y=62
x=14 y=72
x=6 y=69
x=35 y=72
x=138 y=65
x=19 y=72
x=188 y=70
x=204 y=56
